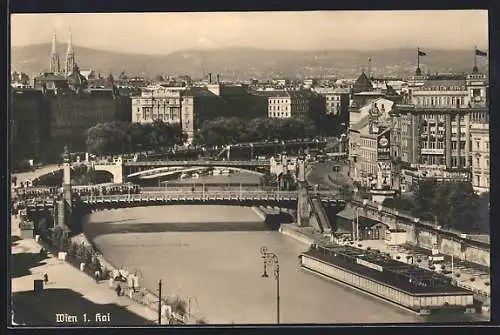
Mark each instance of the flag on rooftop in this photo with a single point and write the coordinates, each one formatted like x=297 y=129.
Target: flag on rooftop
x=421 y=53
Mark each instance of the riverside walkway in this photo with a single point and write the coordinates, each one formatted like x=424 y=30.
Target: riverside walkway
x=68 y=291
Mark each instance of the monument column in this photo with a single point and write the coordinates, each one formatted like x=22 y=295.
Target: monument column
x=302 y=203
x=67 y=177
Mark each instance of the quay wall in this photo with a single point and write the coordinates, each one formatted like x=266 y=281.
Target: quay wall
x=297 y=235
x=424 y=235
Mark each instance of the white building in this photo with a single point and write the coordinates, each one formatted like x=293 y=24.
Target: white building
x=288 y=104
x=158 y=103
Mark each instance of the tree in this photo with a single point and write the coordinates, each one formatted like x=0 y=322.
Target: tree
x=119 y=137
x=452 y=204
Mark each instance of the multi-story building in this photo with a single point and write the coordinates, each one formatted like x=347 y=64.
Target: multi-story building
x=158 y=103
x=440 y=124
x=336 y=100
x=370 y=146
x=198 y=105
x=29 y=124
x=288 y=104
x=480 y=138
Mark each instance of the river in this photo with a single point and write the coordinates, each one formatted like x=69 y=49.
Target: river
x=221 y=270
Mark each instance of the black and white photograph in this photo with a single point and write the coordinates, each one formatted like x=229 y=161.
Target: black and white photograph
x=249 y=168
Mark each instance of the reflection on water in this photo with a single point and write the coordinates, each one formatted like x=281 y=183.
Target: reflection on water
x=221 y=272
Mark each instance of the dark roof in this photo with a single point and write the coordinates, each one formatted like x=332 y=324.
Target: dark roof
x=401 y=276
x=363 y=83
x=199 y=92
x=47 y=76
x=262 y=93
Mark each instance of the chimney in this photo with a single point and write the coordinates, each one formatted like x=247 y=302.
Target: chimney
x=209 y=78
x=218 y=78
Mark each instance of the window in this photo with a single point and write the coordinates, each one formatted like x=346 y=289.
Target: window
x=462 y=145
x=477 y=162
x=478 y=145
x=487 y=145
x=454 y=145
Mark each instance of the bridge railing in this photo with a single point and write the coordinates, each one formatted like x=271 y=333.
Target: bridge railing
x=199 y=163
x=192 y=195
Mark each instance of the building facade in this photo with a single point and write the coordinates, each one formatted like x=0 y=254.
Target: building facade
x=371 y=152
x=157 y=103
x=446 y=118
x=288 y=104
x=29 y=128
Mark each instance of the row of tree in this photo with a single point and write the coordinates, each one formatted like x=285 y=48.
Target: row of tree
x=223 y=131
x=453 y=205
x=121 y=137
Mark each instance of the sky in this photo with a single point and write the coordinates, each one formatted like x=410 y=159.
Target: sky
x=161 y=33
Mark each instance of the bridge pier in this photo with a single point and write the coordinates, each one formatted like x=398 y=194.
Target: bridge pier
x=116 y=169
x=302 y=196
x=228 y=153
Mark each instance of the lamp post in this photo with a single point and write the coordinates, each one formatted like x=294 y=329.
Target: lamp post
x=270 y=258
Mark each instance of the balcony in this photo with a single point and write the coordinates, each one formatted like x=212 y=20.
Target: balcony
x=432 y=151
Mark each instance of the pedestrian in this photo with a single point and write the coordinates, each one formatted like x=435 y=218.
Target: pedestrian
x=97 y=275
x=118 y=290
x=46 y=278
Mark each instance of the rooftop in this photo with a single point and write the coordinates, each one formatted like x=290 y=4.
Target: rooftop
x=379 y=267
x=438 y=83
x=198 y=92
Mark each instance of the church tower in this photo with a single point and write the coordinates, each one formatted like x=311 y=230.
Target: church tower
x=54 y=56
x=70 y=56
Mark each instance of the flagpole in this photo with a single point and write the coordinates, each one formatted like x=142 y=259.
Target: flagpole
x=475 y=56
x=418 y=58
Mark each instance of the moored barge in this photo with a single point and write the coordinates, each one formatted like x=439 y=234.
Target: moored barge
x=405 y=285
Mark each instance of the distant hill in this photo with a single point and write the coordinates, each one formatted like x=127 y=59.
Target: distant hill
x=244 y=63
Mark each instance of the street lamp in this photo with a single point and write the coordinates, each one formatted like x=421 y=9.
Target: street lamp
x=271 y=259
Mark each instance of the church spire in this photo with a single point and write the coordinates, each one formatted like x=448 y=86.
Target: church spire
x=70 y=56
x=54 y=56
x=70 y=43
x=54 y=43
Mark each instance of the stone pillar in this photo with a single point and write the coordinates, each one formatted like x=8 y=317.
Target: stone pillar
x=67 y=180
x=118 y=175
x=65 y=208
x=302 y=205
x=228 y=152
x=302 y=196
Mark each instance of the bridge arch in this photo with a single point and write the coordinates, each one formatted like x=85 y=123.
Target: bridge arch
x=115 y=169
x=166 y=171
